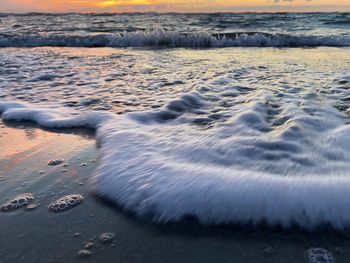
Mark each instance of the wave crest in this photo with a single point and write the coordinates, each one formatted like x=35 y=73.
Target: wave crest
x=146 y=168
x=157 y=37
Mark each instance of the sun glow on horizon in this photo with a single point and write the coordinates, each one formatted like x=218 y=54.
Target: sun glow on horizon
x=172 y=5
x=109 y=3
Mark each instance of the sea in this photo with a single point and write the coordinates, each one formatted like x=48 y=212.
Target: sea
x=228 y=118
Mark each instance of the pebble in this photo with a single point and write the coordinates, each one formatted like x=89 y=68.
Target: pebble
x=89 y=245
x=84 y=253
x=84 y=164
x=55 y=162
x=31 y=207
x=107 y=238
x=76 y=234
x=267 y=251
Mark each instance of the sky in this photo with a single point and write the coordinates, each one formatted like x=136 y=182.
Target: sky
x=172 y=5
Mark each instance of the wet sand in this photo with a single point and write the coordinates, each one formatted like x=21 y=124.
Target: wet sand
x=42 y=236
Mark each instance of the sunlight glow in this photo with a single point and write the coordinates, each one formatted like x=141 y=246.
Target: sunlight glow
x=107 y=3
x=172 y=5
x=120 y=2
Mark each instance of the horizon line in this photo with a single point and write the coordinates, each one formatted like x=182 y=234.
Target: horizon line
x=170 y=12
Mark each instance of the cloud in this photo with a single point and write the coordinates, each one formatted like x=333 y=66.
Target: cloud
x=278 y=1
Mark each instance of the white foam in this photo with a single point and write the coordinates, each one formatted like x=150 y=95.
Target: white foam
x=235 y=172
x=52 y=118
x=159 y=37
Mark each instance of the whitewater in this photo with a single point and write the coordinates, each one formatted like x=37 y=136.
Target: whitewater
x=175 y=30
x=229 y=135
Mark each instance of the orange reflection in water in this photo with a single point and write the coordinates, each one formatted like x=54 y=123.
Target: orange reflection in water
x=14 y=141
x=35 y=145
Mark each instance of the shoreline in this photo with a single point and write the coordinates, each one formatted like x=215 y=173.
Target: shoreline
x=135 y=240
x=175 y=138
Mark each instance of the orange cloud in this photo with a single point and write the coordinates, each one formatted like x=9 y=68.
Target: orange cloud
x=130 y=2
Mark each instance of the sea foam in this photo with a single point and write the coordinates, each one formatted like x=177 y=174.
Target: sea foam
x=158 y=37
x=237 y=171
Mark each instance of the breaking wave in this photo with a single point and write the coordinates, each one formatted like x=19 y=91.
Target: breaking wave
x=161 y=38
x=157 y=164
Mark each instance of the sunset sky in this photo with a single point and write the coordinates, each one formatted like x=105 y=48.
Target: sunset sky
x=171 y=5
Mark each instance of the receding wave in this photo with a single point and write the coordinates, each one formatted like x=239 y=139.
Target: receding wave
x=234 y=173
x=162 y=38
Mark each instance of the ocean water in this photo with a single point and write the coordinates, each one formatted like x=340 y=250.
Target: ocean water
x=230 y=118
x=175 y=30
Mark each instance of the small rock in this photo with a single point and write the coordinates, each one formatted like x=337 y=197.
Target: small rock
x=64 y=170
x=55 y=162
x=84 y=253
x=65 y=165
x=76 y=234
x=31 y=207
x=41 y=172
x=107 y=238
x=84 y=164
x=267 y=251
x=89 y=245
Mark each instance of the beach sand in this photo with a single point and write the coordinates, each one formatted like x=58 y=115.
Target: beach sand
x=42 y=236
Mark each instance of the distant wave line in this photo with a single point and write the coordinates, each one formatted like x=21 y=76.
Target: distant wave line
x=161 y=38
